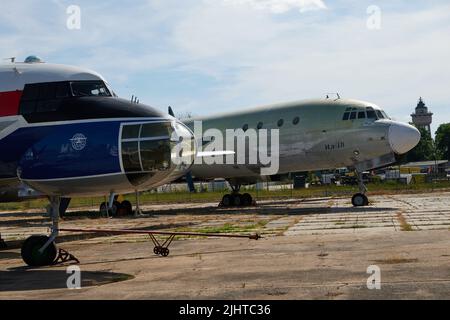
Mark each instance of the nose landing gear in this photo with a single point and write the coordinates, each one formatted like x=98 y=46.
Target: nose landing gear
x=360 y=199
x=40 y=250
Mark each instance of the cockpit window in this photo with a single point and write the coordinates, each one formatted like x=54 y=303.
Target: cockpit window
x=371 y=114
x=89 y=89
x=380 y=115
x=359 y=113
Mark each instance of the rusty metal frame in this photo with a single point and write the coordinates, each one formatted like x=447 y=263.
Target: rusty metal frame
x=163 y=249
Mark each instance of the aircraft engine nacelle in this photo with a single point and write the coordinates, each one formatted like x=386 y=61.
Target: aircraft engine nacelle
x=94 y=158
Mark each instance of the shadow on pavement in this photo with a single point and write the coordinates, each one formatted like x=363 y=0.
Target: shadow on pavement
x=34 y=279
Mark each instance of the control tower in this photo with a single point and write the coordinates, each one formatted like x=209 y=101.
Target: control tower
x=422 y=118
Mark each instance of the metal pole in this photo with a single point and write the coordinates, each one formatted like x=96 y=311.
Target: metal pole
x=138 y=210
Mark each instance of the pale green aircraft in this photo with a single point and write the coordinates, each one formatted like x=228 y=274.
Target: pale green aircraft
x=313 y=135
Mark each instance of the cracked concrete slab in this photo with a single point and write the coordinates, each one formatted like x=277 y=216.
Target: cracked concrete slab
x=318 y=249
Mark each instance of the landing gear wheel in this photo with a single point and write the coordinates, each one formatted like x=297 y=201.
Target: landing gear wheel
x=103 y=208
x=165 y=252
x=227 y=200
x=3 y=244
x=360 y=200
x=31 y=255
x=237 y=200
x=126 y=205
x=247 y=199
x=113 y=211
x=157 y=250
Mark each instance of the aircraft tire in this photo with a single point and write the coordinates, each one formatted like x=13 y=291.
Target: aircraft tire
x=103 y=208
x=247 y=199
x=360 y=200
x=31 y=255
x=227 y=200
x=165 y=252
x=237 y=200
x=128 y=207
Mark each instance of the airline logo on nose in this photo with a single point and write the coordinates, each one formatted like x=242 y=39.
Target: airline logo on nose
x=78 y=141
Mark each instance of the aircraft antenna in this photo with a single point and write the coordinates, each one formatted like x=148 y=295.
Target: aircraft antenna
x=333 y=93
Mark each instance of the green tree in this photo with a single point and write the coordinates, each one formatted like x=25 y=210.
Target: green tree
x=443 y=140
x=424 y=150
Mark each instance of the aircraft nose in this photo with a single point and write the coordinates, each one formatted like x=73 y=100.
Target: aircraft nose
x=403 y=137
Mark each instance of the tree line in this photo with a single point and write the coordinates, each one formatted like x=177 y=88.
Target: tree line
x=429 y=149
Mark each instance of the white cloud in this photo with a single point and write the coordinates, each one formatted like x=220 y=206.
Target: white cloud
x=234 y=55
x=280 y=6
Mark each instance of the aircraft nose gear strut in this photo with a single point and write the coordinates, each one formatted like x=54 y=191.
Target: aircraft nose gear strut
x=360 y=199
x=38 y=251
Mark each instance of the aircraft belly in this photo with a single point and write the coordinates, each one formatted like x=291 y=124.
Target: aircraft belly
x=224 y=171
x=87 y=186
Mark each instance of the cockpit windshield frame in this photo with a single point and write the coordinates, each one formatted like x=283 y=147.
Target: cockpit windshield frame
x=364 y=113
x=87 y=88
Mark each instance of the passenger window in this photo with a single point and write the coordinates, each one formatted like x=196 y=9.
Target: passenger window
x=245 y=127
x=346 y=116
x=260 y=125
x=280 y=122
x=131 y=132
x=361 y=115
x=353 y=115
x=296 y=121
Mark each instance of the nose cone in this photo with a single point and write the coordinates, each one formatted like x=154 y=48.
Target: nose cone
x=403 y=137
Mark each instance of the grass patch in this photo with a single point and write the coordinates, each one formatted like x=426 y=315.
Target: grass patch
x=404 y=225
x=151 y=197
x=226 y=228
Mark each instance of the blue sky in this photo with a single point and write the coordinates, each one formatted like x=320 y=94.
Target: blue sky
x=207 y=56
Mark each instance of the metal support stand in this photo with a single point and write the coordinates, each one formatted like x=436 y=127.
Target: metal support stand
x=163 y=249
x=138 y=211
x=64 y=256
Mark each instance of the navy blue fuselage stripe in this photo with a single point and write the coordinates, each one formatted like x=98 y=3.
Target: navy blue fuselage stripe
x=63 y=151
x=73 y=150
